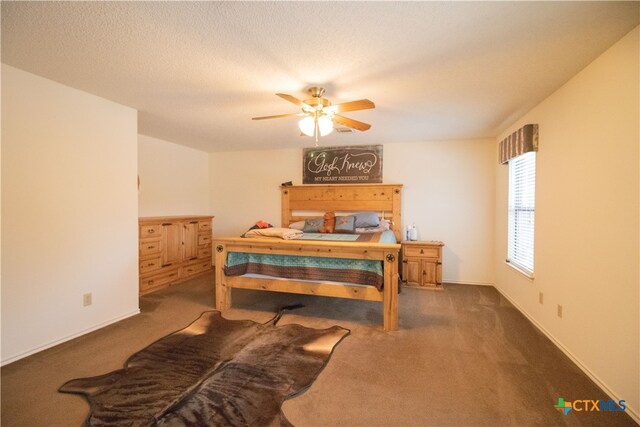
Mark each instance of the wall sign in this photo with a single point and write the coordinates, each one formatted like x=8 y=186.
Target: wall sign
x=342 y=165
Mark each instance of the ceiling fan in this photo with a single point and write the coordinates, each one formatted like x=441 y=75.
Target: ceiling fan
x=318 y=115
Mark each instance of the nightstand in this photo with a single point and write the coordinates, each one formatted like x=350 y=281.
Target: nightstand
x=422 y=264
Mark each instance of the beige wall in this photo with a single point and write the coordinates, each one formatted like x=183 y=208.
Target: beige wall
x=174 y=180
x=586 y=232
x=69 y=212
x=245 y=187
x=448 y=194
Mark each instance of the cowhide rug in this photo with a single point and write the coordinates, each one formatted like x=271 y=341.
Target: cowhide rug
x=214 y=372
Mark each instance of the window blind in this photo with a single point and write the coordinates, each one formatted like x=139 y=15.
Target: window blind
x=522 y=178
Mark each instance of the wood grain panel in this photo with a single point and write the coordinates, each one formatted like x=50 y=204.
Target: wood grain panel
x=383 y=198
x=367 y=293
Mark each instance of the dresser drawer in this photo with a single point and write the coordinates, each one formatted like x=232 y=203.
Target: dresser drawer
x=150 y=264
x=422 y=251
x=196 y=268
x=151 y=230
x=150 y=247
x=204 y=226
x=204 y=239
x=155 y=282
x=205 y=252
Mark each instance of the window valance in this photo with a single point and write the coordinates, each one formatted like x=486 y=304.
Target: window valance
x=521 y=141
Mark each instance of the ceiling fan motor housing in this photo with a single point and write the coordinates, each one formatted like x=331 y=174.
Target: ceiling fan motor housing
x=317 y=100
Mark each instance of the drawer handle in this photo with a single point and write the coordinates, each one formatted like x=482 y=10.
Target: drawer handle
x=151 y=231
x=421 y=251
x=150 y=247
x=151 y=264
x=424 y=273
x=195 y=257
x=151 y=282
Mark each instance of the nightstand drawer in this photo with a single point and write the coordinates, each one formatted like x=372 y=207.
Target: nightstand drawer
x=422 y=252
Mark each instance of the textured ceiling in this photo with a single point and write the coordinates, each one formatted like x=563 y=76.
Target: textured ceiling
x=198 y=71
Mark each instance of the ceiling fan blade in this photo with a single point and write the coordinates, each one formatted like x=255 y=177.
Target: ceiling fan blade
x=345 y=121
x=291 y=99
x=361 y=104
x=277 y=116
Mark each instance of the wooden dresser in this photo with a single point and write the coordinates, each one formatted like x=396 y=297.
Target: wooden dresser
x=422 y=264
x=173 y=249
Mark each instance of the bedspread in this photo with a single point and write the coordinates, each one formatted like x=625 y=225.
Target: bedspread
x=359 y=271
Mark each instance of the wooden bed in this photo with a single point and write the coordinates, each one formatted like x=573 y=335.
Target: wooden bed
x=305 y=201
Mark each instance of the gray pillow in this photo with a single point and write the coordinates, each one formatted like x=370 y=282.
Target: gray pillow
x=313 y=225
x=345 y=224
x=367 y=219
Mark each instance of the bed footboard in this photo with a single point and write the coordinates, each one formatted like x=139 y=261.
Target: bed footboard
x=387 y=253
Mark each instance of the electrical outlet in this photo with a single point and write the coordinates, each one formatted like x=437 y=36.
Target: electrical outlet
x=541 y=298
x=86 y=298
x=559 y=311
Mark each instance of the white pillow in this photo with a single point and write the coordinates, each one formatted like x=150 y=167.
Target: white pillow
x=299 y=225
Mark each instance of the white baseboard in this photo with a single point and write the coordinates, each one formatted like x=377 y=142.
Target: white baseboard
x=633 y=412
x=466 y=282
x=67 y=338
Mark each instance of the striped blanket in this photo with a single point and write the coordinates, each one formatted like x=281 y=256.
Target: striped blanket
x=358 y=271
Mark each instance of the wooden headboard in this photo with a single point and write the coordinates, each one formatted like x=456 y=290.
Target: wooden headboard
x=305 y=201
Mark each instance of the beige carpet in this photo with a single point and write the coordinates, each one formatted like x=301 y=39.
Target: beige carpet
x=462 y=357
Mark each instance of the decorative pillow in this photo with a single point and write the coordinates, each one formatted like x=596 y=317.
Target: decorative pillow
x=367 y=219
x=329 y=223
x=313 y=225
x=384 y=226
x=299 y=225
x=345 y=224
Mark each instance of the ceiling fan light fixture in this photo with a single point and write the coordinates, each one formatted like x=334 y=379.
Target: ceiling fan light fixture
x=325 y=125
x=307 y=126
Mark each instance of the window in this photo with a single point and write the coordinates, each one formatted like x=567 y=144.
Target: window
x=522 y=185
